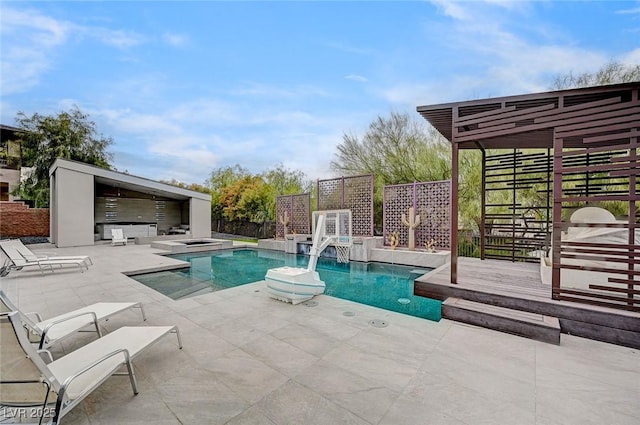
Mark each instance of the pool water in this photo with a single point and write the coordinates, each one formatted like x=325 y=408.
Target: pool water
x=387 y=286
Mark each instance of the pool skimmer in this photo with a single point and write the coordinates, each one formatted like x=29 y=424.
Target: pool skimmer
x=349 y=313
x=310 y=303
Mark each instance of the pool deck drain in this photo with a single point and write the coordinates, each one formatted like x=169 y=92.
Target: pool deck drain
x=349 y=313
x=378 y=323
x=310 y=303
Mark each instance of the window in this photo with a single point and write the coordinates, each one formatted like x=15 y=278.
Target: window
x=4 y=191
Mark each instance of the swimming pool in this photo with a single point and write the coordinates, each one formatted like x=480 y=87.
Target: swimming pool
x=387 y=286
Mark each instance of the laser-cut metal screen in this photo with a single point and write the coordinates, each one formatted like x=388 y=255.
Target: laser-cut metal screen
x=298 y=213
x=354 y=193
x=431 y=200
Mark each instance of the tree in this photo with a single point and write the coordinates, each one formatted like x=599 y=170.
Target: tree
x=248 y=198
x=611 y=73
x=396 y=149
x=286 y=182
x=220 y=179
x=191 y=186
x=69 y=135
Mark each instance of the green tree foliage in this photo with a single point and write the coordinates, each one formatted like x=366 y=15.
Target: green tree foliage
x=221 y=178
x=237 y=194
x=248 y=198
x=191 y=186
x=611 y=73
x=396 y=149
x=68 y=135
x=286 y=182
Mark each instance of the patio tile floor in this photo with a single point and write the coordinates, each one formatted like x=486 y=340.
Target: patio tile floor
x=248 y=359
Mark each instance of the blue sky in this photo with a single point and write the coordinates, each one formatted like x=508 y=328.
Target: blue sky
x=187 y=87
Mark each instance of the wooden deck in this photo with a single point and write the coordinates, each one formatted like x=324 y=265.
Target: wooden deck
x=518 y=286
x=521 y=279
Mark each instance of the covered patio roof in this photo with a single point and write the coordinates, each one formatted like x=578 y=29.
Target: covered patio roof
x=127 y=181
x=528 y=121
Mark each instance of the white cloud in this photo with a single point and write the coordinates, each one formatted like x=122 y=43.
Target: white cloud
x=486 y=59
x=452 y=9
x=465 y=10
x=632 y=58
x=43 y=30
x=30 y=41
x=631 y=11
x=176 y=40
x=120 y=39
x=356 y=77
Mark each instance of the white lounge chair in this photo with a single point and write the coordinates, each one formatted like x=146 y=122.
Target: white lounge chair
x=47 y=332
x=10 y=249
x=69 y=379
x=31 y=256
x=117 y=236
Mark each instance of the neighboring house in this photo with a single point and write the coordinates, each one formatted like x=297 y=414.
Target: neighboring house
x=11 y=170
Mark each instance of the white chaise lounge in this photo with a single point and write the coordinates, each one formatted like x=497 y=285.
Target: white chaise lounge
x=46 y=332
x=53 y=389
x=31 y=256
x=11 y=249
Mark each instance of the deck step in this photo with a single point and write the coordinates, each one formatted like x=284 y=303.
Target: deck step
x=529 y=325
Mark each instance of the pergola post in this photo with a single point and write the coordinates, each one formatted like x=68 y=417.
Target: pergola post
x=454 y=211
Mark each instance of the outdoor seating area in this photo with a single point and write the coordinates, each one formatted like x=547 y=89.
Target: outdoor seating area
x=22 y=257
x=249 y=359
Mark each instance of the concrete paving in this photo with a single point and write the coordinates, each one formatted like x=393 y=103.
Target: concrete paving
x=251 y=360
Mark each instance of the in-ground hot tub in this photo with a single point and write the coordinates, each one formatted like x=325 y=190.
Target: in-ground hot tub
x=192 y=245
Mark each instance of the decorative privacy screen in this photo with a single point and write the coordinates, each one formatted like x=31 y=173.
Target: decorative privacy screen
x=295 y=212
x=516 y=224
x=353 y=193
x=431 y=200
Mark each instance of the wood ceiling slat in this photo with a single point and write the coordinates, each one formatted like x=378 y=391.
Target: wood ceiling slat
x=469 y=135
x=590 y=131
x=610 y=137
x=594 y=120
x=561 y=130
x=503 y=116
x=594 y=168
x=495 y=132
x=563 y=114
x=601 y=126
x=523 y=114
x=468 y=119
x=623 y=147
x=549 y=112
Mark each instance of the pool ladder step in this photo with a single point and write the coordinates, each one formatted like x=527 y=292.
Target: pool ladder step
x=522 y=323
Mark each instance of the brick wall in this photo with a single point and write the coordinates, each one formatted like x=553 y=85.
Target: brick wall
x=18 y=220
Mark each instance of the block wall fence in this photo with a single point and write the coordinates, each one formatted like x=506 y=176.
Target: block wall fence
x=18 y=220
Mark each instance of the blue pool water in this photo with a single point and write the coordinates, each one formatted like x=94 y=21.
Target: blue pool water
x=387 y=286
